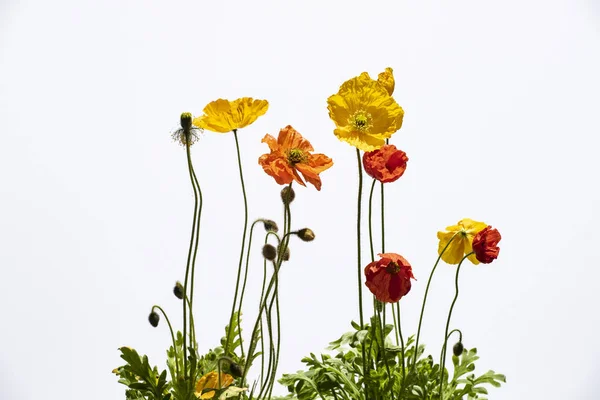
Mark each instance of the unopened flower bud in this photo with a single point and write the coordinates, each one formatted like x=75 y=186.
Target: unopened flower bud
x=286 y=254
x=186 y=121
x=270 y=225
x=287 y=195
x=306 y=234
x=153 y=318
x=235 y=370
x=178 y=290
x=457 y=349
x=269 y=252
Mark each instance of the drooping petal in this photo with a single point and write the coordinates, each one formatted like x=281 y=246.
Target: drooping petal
x=275 y=165
x=271 y=142
x=225 y=116
x=386 y=79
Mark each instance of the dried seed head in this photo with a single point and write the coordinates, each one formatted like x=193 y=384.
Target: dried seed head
x=153 y=318
x=269 y=252
x=178 y=290
x=306 y=234
x=457 y=349
x=270 y=226
x=287 y=195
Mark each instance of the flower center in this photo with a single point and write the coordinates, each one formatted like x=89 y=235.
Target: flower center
x=361 y=121
x=296 y=156
x=393 y=268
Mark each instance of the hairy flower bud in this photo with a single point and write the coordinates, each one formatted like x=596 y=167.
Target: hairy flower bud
x=306 y=234
x=287 y=195
x=269 y=252
x=178 y=290
x=270 y=226
x=286 y=254
x=236 y=370
x=153 y=318
x=457 y=349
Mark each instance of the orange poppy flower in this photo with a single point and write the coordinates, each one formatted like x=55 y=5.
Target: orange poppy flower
x=389 y=278
x=291 y=155
x=385 y=164
x=485 y=244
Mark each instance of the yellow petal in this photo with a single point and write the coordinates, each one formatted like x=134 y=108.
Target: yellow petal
x=225 y=116
x=386 y=79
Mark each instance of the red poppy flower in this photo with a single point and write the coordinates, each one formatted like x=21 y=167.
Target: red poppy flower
x=385 y=164
x=485 y=244
x=389 y=278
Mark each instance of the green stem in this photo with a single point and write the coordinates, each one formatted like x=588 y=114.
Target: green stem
x=200 y=202
x=237 y=283
x=239 y=310
x=383 y=351
x=191 y=247
x=172 y=337
x=370 y=224
x=443 y=360
x=192 y=325
x=359 y=264
x=401 y=341
x=395 y=326
x=425 y=300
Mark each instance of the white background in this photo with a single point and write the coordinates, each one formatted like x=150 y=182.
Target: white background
x=501 y=124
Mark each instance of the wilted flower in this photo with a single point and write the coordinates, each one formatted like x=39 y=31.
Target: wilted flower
x=462 y=241
x=364 y=113
x=485 y=244
x=225 y=116
x=385 y=164
x=389 y=278
x=211 y=381
x=291 y=155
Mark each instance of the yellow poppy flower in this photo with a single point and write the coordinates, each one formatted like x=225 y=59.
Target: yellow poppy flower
x=225 y=116
x=386 y=78
x=211 y=381
x=364 y=113
x=462 y=243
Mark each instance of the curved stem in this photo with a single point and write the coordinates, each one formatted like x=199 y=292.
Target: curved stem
x=425 y=300
x=401 y=341
x=191 y=247
x=172 y=336
x=196 y=239
x=359 y=264
x=237 y=283
x=443 y=360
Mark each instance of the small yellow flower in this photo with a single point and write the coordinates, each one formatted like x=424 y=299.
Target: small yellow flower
x=462 y=243
x=225 y=116
x=211 y=381
x=386 y=78
x=364 y=113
